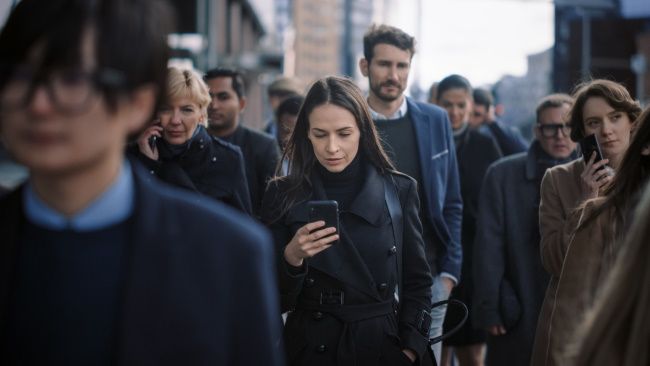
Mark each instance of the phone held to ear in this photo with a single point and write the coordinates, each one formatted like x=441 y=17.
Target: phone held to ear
x=327 y=211
x=152 y=142
x=589 y=145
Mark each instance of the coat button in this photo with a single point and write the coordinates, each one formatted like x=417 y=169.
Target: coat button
x=214 y=159
x=382 y=286
x=318 y=315
x=392 y=250
x=309 y=282
x=322 y=348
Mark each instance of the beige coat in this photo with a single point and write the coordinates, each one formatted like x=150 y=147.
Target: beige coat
x=577 y=260
x=560 y=195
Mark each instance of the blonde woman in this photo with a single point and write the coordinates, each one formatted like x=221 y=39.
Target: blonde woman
x=179 y=150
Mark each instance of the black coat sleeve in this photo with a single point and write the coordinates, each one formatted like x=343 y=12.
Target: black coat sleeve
x=241 y=194
x=415 y=301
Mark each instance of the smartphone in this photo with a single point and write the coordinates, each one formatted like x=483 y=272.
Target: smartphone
x=327 y=211
x=588 y=145
x=152 y=142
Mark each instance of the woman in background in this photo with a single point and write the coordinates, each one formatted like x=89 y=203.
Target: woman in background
x=180 y=151
x=606 y=109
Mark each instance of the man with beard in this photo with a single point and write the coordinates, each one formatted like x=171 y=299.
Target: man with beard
x=418 y=138
x=261 y=152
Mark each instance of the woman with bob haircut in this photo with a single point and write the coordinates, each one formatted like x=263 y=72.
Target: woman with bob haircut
x=359 y=296
x=615 y=330
x=179 y=150
x=605 y=109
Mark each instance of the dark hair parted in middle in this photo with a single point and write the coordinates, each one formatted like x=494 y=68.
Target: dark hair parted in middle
x=614 y=94
x=454 y=81
x=237 y=79
x=388 y=35
x=299 y=152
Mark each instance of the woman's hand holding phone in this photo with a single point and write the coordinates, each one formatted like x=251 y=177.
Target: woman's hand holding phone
x=144 y=141
x=308 y=241
x=595 y=176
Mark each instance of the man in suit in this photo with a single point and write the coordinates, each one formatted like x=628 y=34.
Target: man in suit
x=419 y=139
x=260 y=150
x=98 y=267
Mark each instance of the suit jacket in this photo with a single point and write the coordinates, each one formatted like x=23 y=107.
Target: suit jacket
x=440 y=183
x=199 y=288
x=261 y=157
x=364 y=267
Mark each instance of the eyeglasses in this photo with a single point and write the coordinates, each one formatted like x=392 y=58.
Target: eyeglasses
x=551 y=130
x=69 y=90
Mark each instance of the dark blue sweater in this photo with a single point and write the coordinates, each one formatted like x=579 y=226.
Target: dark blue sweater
x=67 y=288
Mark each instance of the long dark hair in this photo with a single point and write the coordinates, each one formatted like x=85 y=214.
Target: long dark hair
x=630 y=177
x=299 y=152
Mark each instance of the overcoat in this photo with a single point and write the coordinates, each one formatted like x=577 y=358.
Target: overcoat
x=561 y=195
x=589 y=257
x=209 y=166
x=182 y=301
x=343 y=299
x=507 y=263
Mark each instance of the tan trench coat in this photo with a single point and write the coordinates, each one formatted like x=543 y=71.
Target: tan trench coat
x=577 y=260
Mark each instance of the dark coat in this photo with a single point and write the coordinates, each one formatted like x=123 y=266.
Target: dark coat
x=475 y=152
x=183 y=302
x=509 y=139
x=506 y=257
x=346 y=335
x=210 y=166
x=440 y=183
x=261 y=157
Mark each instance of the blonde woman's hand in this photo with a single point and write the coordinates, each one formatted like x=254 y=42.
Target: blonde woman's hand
x=595 y=176
x=308 y=241
x=148 y=150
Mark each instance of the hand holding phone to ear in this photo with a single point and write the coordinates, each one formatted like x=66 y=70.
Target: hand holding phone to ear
x=147 y=141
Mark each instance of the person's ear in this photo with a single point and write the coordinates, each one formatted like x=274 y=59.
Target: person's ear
x=242 y=104
x=142 y=102
x=363 y=67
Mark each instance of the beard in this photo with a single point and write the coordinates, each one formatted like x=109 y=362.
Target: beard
x=376 y=90
x=218 y=122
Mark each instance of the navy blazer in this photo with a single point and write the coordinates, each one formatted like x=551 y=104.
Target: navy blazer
x=440 y=183
x=199 y=289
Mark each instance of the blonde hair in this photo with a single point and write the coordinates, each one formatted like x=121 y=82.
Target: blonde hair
x=187 y=83
x=615 y=330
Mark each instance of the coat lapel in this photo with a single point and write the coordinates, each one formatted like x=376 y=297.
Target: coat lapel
x=422 y=127
x=341 y=261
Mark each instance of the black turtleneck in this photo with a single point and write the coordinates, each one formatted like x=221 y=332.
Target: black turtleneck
x=343 y=186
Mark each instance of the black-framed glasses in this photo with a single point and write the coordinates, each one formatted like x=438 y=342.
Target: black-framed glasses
x=69 y=90
x=551 y=130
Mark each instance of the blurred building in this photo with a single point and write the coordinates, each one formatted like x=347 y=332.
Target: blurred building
x=227 y=33
x=602 y=39
x=520 y=95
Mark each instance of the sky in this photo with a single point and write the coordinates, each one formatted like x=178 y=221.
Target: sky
x=479 y=39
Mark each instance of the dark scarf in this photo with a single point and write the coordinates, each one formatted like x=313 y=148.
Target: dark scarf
x=169 y=151
x=546 y=161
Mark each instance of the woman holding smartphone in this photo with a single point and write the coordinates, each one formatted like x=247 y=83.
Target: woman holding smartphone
x=605 y=109
x=360 y=296
x=180 y=151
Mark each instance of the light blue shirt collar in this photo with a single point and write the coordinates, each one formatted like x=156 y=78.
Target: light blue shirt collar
x=399 y=113
x=111 y=207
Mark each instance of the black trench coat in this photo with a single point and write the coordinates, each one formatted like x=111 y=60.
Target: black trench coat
x=343 y=299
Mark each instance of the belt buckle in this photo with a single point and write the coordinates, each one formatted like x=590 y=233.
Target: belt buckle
x=332 y=297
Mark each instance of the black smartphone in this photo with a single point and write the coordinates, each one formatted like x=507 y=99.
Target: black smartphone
x=152 y=142
x=588 y=145
x=327 y=211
